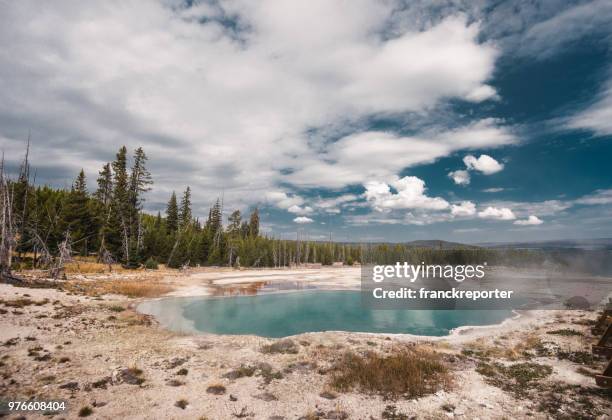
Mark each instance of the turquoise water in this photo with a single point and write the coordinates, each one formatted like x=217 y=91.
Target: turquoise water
x=284 y=314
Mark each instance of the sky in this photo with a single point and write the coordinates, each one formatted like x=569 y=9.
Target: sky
x=393 y=120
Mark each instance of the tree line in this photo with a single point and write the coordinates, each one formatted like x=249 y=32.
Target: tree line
x=45 y=226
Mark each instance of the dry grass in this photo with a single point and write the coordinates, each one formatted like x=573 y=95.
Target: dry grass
x=130 y=288
x=517 y=378
x=182 y=404
x=503 y=350
x=409 y=373
x=566 y=332
x=91 y=267
x=216 y=389
x=285 y=346
x=85 y=411
x=23 y=302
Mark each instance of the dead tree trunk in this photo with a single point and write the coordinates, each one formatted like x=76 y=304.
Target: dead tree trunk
x=7 y=230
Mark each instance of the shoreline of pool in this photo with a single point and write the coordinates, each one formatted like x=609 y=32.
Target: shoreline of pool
x=459 y=333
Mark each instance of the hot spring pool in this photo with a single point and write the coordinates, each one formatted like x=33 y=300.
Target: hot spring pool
x=284 y=314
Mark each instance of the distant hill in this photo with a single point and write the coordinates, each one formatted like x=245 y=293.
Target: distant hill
x=585 y=244
x=438 y=244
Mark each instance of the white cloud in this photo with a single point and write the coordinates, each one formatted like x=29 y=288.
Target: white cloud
x=546 y=37
x=460 y=177
x=410 y=195
x=496 y=213
x=596 y=198
x=464 y=209
x=482 y=93
x=495 y=210
x=567 y=24
x=333 y=205
x=357 y=158
x=284 y=201
x=493 y=190
x=485 y=164
x=300 y=210
x=530 y=221
x=302 y=220
x=228 y=108
x=525 y=208
x=598 y=116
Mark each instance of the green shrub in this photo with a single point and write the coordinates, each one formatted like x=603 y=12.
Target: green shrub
x=85 y=411
x=151 y=264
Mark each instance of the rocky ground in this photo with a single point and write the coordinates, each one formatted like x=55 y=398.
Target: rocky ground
x=108 y=362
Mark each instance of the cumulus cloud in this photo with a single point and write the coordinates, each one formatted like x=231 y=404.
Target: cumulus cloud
x=485 y=164
x=334 y=205
x=357 y=158
x=410 y=195
x=460 y=177
x=530 y=221
x=303 y=220
x=223 y=95
x=300 y=210
x=496 y=213
x=482 y=93
x=463 y=209
x=284 y=201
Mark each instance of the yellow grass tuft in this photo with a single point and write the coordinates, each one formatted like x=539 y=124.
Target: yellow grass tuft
x=130 y=288
x=409 y=373
x=511 y=351
x=91 y=267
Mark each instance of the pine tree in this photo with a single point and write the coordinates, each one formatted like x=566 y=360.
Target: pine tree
x=119 y=235
x=215 y=218
x=140 y=181
x=104 y=193
x=233 y=236
x=185 y=212
x=235 y=221
x=102 y=207
x=254 y=224
x=76 y=216
x=172 y=220
x=213 y=236
x=80 y=184
x=245 y=229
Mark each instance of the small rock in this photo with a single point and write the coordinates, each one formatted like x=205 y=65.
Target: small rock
x=337 y=415
x=176 y=362
x=328 y=395
x=216 y=389
x=72 y=386
x=266 y=396
x=449 y=408
x=101 y=383
x=233 y=398
x=129 y=376
x=175 y=382
x=264 y=366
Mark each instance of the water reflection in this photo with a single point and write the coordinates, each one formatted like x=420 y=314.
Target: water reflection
x=283 y=314
x=259 y=287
